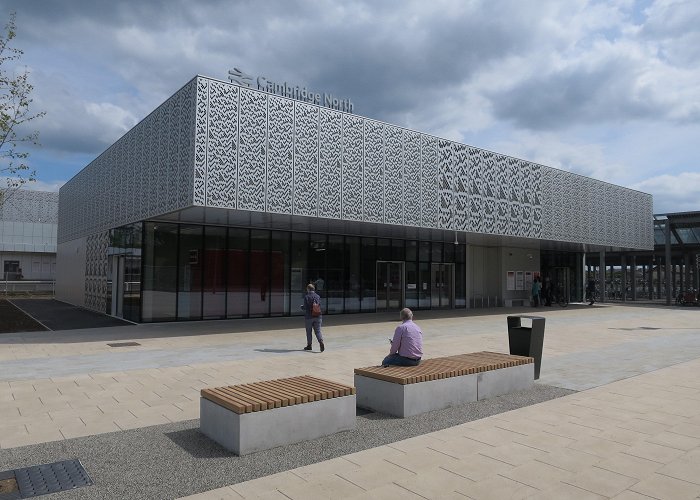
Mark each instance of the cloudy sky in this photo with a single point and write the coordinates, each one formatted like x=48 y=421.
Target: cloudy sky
x=607 y=89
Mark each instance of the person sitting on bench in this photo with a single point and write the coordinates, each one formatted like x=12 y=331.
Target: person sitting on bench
x=407 y=344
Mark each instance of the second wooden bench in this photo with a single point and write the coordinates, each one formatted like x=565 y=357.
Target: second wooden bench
x=439 y=383
x=262 y=415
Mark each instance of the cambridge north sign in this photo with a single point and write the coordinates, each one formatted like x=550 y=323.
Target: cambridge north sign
x=293 y=91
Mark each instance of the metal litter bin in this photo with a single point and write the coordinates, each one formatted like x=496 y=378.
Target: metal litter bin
x=527 y=341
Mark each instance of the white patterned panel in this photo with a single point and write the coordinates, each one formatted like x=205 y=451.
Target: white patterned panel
x=412 y=179
x=393 y=176
x=500 y=175
x=151 y=173
x=489 y=204
x=534 y=225
x=164 y=130
x=186 y=144
x=547 y=203
x=475 y=180
x=252 y=152
x=445 y=185
x=222 y=145
x=353 y=157
x=171 y=172
x=200 y=149
x=515 y=207
x=374 y=172
x=461 y=186
x=96 y=271
x=280 y=158
x=430 y=192
x=306 y=159
x=329 y=170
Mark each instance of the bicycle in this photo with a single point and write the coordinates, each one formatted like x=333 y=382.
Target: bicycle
x=560 y=298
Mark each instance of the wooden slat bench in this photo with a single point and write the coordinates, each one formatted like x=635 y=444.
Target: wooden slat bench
x=441 y=382
x=262 y=415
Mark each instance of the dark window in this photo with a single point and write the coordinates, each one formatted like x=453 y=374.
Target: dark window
x=368 y=271
x=214 y=260
x=352 y=274
x=160 y=272
x=190 y=268
x=279 y=262
x=237 y=272
x=259 y=297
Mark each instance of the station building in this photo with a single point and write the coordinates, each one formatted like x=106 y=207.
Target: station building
x=226 y=201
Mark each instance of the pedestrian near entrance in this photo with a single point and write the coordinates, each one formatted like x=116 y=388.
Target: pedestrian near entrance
x=407 y=343
x=313 y=316
x=536 y=288
x=590 y=292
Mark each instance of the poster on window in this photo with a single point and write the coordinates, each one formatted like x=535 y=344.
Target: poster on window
x=528 y=280
x=510 y=280
x=519 y=280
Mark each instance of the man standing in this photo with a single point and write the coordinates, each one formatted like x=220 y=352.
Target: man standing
x=313 y=319
x=407 y=344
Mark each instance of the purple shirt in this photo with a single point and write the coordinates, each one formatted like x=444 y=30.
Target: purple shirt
x=408 y=340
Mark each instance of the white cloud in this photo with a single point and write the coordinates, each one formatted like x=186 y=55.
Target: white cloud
x=548 y=148
x=673 y=193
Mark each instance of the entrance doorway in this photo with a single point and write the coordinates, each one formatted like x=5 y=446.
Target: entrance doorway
x=390 y=285
x=442 y=289
x=117 y=274
x=561 y=282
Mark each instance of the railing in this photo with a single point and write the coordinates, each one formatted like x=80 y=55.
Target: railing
x=28 y=286
x=479 y=301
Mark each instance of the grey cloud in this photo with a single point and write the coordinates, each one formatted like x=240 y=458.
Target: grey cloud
x=580 y=95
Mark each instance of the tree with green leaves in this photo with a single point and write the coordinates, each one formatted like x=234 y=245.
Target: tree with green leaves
x=15 y=114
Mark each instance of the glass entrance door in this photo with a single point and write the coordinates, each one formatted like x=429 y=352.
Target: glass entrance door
x=442 y=286
x=389 y=286
x=117 y=285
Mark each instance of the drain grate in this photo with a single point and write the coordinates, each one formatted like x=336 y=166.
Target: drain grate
x=123 y=344
x=50 y=478
x=8 y=486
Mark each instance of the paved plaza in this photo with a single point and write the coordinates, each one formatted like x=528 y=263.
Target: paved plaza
x=615 y=414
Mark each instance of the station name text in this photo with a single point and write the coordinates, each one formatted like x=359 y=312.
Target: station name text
x=292 y=91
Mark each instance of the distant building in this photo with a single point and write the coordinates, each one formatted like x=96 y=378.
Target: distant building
x=28 y=224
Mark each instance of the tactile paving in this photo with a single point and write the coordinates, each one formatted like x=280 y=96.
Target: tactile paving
x=51 y=478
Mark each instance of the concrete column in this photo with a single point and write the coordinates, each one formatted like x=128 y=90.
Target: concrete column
x=688 y=281
x=667 y=262
x=601 y=276
x=650 y=278
x=467 y=280
x=673 y=277
x=623 y=277
x=584 y=277
x=633 y=279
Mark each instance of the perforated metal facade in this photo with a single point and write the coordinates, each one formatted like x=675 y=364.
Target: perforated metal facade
x=219 y=145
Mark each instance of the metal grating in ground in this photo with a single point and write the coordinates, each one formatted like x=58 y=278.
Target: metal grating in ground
x=123 y=344
x=51 y=478
x=8 y=486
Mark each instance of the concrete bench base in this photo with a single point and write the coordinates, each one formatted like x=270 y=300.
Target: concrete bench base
x=405 y=400
x=250 y=432
x=413 y=399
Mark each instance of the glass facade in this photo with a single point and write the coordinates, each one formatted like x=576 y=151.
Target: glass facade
x=194 y=272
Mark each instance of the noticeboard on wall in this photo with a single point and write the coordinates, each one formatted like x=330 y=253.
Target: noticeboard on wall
x=510 y=280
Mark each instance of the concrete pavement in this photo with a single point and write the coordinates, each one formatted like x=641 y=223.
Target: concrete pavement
x=633 y=430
